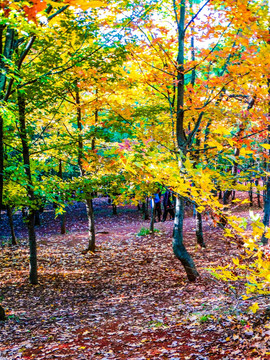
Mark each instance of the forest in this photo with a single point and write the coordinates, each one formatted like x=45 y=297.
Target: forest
x=134 y=179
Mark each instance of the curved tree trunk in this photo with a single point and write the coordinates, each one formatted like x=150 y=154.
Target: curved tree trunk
x=178 y=246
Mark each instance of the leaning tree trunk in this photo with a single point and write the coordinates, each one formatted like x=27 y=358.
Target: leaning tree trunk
x=178 y=246
x=11 y=224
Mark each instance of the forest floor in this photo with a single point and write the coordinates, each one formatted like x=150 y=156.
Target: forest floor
x=129 y=300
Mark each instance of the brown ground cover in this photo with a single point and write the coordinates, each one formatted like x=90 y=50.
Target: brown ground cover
x=129 y=300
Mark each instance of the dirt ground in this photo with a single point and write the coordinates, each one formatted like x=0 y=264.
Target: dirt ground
x=129 y=300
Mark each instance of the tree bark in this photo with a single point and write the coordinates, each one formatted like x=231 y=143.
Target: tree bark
x=5 y=53
x=182 y=142
x=33 y=278
x=178 y=246
x=199 y=229
x=153 y=212
x=88 y=200
x=11 y=224
x=2 y=314
x=91 y=226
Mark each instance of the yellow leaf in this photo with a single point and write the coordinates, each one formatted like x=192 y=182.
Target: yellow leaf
x=266 y=146
x=94 y=4
x=235 y=261
x=254 y=307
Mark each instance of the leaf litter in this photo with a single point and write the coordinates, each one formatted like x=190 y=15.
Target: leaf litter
x=129 y=300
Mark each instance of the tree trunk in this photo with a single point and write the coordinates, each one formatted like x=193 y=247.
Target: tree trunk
x=88 y=200
x=257 y=184
x=6 y=51
x=30 y=192
x=178 y=246
x=145 y=209
x=37 y=218
x=2 y=314
x=62 y=216
x=199 y=229
x=250 y=193
x=33 y=278
x=153 y=213
x=11 y=224
x=1 y=164
x=114 y=208
x=63 y=223
x=91 y=225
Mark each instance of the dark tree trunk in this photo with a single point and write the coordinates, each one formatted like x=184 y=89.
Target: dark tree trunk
x=178 y=245
x=267 y=168
x=199 y=229
x=62 y=216
x=114 y=208
x=63 y=223
x=30 y=192
x=153 y=212
x=250 y=193
x=1 y=164
x=226 y=196
x=6 y=51
x=32 y=247
x=266 y=216
x=2 y=314
x=37 y=218
x=145 y=209
x=11 y=224
x=258 y=193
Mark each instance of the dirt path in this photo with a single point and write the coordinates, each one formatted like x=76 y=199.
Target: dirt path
x=129 y=300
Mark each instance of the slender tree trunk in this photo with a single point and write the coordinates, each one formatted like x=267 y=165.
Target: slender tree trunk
x=37 y=218
x=30 y=192
x=11 y=224
x=250 y=193
x=145 y=209
x=62 y=216
x=2 y=314
x=88 y=200
x=178 y=246
x=258 y=193
x=153 y=213
x=6 y=51
x=266 y=208
x=91 y=226
x=114 y=208
x=199 y=229
x=1 y=164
